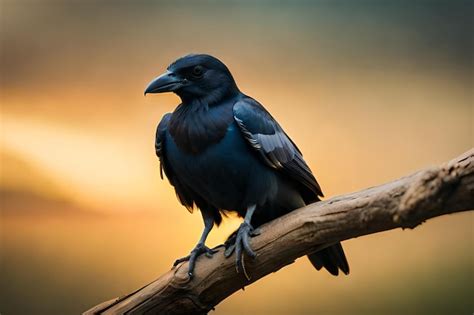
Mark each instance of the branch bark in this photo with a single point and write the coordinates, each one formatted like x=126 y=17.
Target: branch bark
x=405 y=203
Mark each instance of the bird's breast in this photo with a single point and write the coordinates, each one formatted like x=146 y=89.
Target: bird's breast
x=227 y=173
x=194 y=129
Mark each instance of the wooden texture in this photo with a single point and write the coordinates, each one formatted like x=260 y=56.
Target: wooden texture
x=403 y=203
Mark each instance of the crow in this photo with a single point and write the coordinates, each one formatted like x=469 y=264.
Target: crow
x=223 y=152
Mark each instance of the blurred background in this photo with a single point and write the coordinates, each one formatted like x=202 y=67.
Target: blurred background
x=370 y=90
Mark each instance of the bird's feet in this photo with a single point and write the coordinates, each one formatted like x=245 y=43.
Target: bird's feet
x=240 y=244
x=192 y=257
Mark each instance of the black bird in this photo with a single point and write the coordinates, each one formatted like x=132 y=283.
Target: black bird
x=223 y=151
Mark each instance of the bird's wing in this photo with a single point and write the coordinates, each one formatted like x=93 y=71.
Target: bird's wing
x=160 y=141
x=273 y=145
x=184 y=195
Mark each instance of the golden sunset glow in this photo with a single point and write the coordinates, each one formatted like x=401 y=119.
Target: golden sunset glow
x=369 y=93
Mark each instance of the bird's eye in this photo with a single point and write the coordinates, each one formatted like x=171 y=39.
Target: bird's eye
x=197 y=71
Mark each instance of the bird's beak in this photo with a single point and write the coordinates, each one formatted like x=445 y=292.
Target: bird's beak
x=167 y=82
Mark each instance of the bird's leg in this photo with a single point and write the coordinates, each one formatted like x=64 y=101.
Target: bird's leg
x=242 y=238
x=200 y=247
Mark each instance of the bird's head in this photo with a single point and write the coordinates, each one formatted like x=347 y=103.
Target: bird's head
x=196 y=77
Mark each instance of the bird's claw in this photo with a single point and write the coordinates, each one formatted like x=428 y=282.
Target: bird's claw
x=242 y=245
x=192 y=257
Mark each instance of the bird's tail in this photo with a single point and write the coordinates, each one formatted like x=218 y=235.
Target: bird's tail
x=332 y=258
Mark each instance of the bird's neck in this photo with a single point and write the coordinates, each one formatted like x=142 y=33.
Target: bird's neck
x=195 y=126
x=209 y=99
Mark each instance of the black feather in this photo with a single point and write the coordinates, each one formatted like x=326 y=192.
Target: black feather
x=223 y=152
x=277 y=150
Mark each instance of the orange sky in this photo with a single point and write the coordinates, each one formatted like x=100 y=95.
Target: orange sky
x=370 y=92
x=352 y=136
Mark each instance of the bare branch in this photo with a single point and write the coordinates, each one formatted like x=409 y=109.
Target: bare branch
x=405 y=203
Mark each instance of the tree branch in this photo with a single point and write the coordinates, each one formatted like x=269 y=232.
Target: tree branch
x=405 y=203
